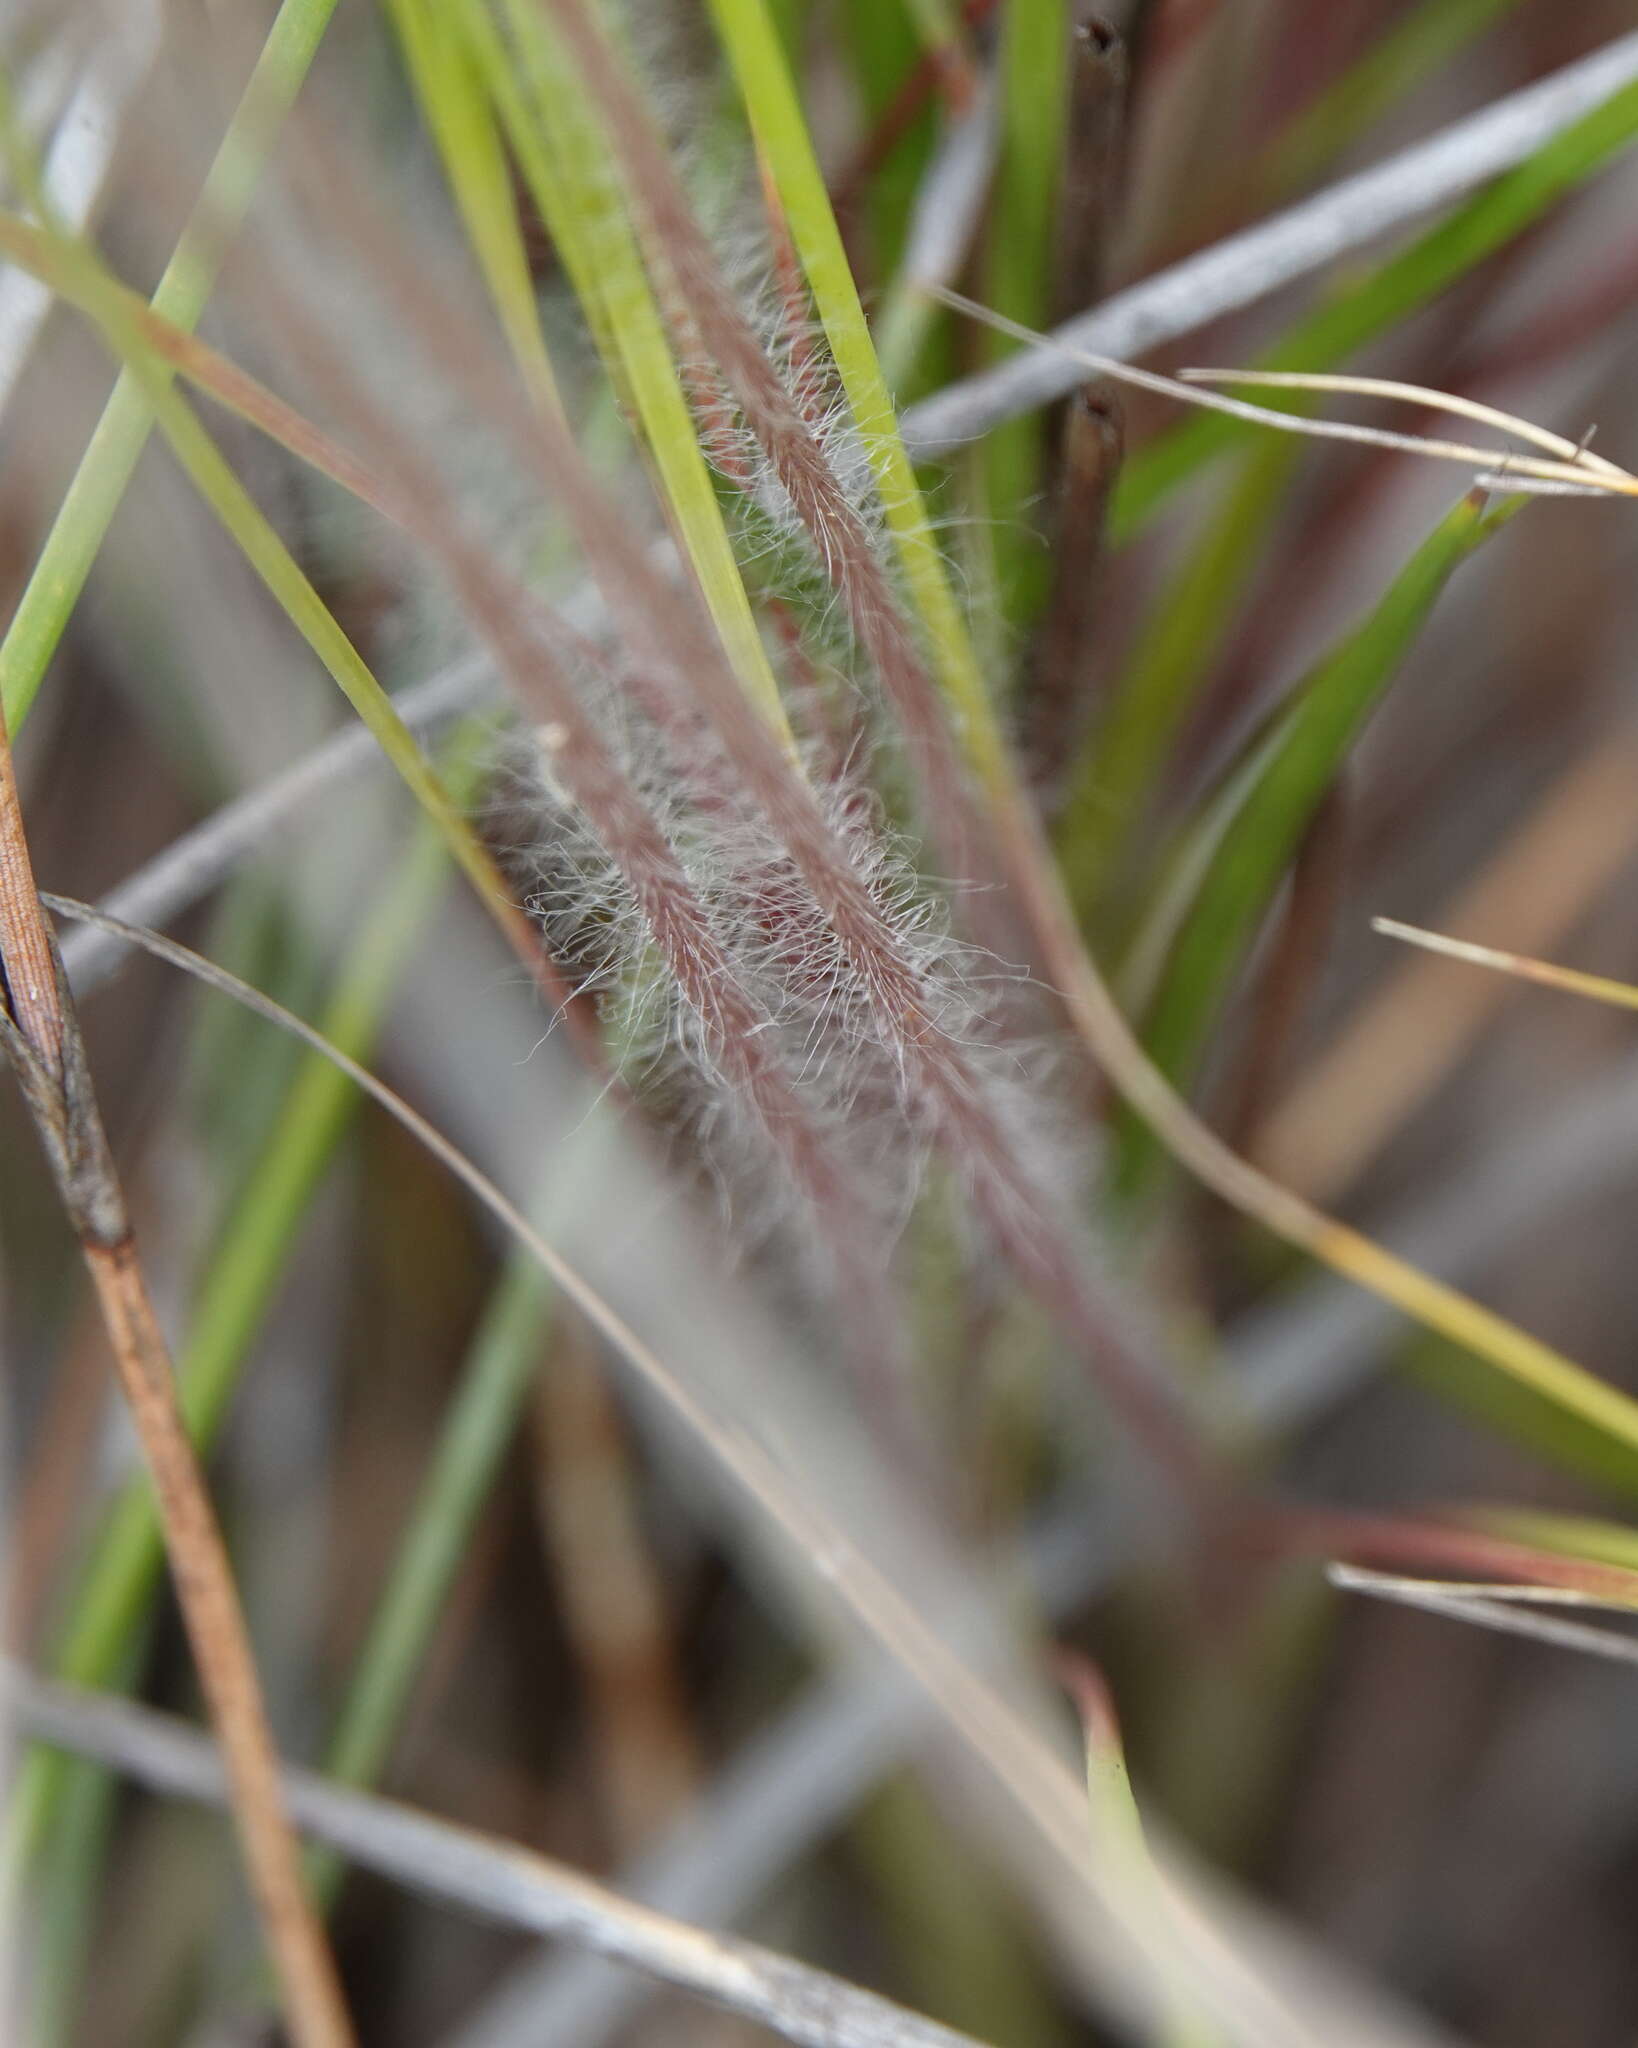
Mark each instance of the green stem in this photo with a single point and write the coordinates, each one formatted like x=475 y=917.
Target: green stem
x=1034 y=116
x=495 y=1380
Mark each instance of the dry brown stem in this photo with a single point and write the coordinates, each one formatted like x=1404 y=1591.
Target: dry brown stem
x=40 y=1035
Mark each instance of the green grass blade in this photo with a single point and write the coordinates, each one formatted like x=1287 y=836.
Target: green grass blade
x=307 y=611
x=1569 y=1535
x=208 y=470
x=556 y=151
x=1254 y=845
x=499 y=1368
x=73 y=268
x=1018 y=276
x=459 y=113
x=1551 y=1431
x=1118 y=1834
x=113 y=1592
x=776 y=117
x=777 y=121
x=1391 y=293
x=1183 y=629
x=573 y=180
x=64 y=562
x=135 y=332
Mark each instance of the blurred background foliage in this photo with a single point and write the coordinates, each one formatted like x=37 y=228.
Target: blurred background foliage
x=1262 y=690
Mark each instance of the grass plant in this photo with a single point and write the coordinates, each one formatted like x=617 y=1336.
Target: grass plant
x=887 y=1118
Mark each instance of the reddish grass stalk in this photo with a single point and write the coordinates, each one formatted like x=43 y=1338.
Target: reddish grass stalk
x=514 y=627
x=40 y=1034
x=1017 y=1209
x=673 y=638
x=676 y=918
x=795 y=305
x=1422 y=1545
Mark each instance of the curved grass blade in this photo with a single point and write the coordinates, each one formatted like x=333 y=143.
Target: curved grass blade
x=1395 y=290
x=1559 y=446
x=1586 y=474
x=824 y=1548
x=1258 y=825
